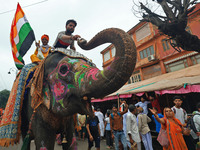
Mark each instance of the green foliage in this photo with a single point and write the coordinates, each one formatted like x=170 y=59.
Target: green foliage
x=4 y=95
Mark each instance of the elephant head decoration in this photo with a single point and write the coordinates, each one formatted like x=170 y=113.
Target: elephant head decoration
x=71 y=82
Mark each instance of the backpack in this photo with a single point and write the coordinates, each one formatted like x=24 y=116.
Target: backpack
x=112 y=116
x=174 y=110
x=191 y=123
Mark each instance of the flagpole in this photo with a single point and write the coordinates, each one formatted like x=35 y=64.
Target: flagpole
x=118 y=101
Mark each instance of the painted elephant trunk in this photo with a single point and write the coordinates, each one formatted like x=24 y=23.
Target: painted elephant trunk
x=99 y=83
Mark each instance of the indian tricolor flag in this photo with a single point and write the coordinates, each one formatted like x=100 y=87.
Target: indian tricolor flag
x=21 y=37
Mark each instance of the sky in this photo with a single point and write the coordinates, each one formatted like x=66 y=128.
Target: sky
x=49 y=17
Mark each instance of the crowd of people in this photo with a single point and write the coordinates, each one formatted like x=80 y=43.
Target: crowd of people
x=128 y=127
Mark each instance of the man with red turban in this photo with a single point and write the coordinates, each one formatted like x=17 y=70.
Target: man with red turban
x=41 y=51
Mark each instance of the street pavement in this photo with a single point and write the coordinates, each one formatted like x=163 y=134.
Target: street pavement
x=82 y=145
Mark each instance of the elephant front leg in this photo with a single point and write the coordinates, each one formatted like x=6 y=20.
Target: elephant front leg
x=45 y=139
x=44 y=136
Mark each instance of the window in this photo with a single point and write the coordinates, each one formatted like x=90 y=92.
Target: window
x=143 y=32
x=135 y=77
x=106 y=56
x=146 y=52
x=165 y=44
x=178 y=65
x=141 y=55
x=113 y=51
x=151 y=50
x=195 y=59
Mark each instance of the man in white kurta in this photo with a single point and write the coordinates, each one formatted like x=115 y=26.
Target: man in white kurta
x=132 y=128
x=100 y=116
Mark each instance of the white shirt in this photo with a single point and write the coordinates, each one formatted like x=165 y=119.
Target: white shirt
x=179 y=114
x=132 y=128
x=143 y=105
x=124 y=123
x=196 y=119
x=100 y=116
x=107 y=119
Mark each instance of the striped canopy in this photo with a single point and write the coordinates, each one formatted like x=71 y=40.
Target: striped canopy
x=21 y=37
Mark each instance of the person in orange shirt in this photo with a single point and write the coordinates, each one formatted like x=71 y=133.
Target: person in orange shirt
x=174 y=129
x=41 y=51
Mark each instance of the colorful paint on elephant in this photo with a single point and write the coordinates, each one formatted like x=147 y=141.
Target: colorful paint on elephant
x=63 y=73
x=43 y=147
x=93 y=72
x=59 y=89
x=46 y=96
x=63 y=69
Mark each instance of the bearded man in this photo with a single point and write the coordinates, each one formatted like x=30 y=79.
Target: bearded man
x=65 y=38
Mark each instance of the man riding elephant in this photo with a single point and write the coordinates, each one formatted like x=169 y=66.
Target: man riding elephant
x=65 y=38
x=41 y=51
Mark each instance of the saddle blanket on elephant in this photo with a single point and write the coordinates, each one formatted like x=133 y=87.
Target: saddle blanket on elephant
x=10 y=127
x=74 y=54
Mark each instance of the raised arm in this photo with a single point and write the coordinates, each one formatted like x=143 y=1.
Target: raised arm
x=125 y=109
x=161 y=120
x=70 y=37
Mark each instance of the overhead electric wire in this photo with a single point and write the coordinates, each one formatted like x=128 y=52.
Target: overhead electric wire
x=23 y=7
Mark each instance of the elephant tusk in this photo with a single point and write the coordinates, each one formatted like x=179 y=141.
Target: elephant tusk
x=85 y=98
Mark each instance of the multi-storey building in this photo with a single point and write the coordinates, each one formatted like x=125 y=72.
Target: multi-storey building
x=159 y=67
x=155 y=55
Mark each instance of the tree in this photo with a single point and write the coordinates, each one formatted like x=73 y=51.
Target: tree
x=173 y=22
x=4 y=95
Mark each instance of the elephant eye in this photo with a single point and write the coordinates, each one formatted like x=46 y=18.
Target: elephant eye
x=63 y=70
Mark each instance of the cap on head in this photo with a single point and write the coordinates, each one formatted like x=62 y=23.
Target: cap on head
x=45 y=36
x=71 y=20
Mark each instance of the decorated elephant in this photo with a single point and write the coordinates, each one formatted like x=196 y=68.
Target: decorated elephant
x=70 y=82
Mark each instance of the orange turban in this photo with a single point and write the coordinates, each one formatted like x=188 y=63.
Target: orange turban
x=45 y=36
